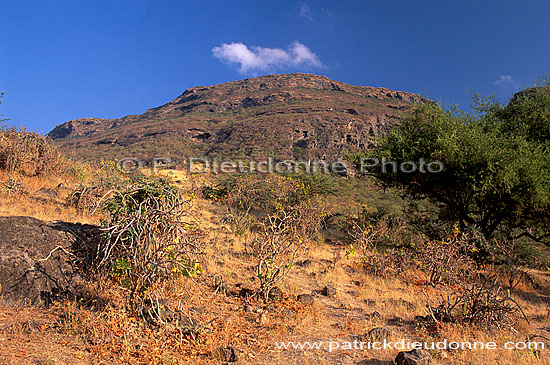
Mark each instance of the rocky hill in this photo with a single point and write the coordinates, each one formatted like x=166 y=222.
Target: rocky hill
x=288 y=116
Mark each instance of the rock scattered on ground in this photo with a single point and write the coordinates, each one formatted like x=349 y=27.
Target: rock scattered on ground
x=329 y=291
x=226 y=354
x=305 y=299
x=414 y=357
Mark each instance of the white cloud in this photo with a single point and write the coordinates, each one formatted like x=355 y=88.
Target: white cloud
x=256 y=58
x=505 y=80
x=304 y=10
x=327 y=12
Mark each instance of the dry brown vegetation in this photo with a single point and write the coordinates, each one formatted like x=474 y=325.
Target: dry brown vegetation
x=197 y=315
x=384 y=277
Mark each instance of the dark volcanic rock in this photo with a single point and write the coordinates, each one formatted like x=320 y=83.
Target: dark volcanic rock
x=42 y=261
x=305 y=299
x=245 y=293
x=46 y=192
x=226 y=354
x=275 y=293
x=329 y=291
x=414 y=357
x=274 y=115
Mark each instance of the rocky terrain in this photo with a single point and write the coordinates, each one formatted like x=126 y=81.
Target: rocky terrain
x=289 y=116
x=42 y=261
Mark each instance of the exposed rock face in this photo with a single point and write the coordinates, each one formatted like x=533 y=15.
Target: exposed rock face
x=42 y=261
x=291 y=116
x=79 y=127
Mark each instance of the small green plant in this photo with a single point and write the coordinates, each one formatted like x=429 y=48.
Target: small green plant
x=12 y=187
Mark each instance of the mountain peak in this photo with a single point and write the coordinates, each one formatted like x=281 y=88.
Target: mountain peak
x=284 y=115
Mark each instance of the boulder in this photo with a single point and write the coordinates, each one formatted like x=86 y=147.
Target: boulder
x=43 y=261
x=47 y=193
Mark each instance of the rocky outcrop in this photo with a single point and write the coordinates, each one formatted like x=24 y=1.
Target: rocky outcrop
x=79 y=127
x=291 y=116
x=43 y=261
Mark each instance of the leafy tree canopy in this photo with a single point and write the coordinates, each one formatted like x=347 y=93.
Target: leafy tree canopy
x=496 y=162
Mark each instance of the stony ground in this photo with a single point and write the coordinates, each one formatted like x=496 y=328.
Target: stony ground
x=347 y=305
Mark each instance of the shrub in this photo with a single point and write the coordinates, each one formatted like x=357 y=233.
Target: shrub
x=279 y=241
x=28 y=153
x=365 y=230
x=513 y=255
x=388 y=263
x=12 y=186
x=479 y=300
x=148 y=236
x=106 y=179
x=282 y=214
x=447 y=261
x=372 y=236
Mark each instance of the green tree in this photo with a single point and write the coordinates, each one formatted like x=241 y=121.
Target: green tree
x=496 y=165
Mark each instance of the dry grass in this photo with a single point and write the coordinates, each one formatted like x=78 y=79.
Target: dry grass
x=105 y=332
x=33 y=203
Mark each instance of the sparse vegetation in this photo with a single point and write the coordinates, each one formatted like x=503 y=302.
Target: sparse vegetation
x=178 y=276
x=447 y=261
x=149 y=237
x=282 y=215
x=479 y=300
x=28 y=153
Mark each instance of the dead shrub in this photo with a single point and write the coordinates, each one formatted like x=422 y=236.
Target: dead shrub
x=149 y=237
x=368 y=235
x=387 y=263
x=28 y=153
x=281 y=213
x=479 y=300
x=511 y=255
x=258 y=195
x=90 y=197
x=447 y=261
x=280 y=239
x=87 y=198
x=12 y=186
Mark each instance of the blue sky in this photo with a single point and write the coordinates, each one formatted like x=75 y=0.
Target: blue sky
x=61 y=60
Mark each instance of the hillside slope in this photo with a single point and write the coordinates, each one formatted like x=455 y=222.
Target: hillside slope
x=288 y=116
